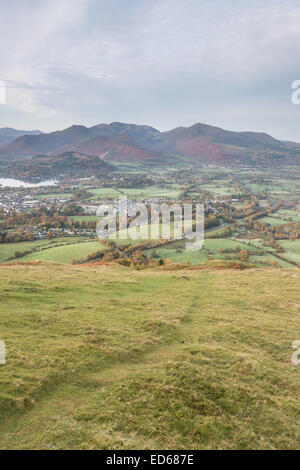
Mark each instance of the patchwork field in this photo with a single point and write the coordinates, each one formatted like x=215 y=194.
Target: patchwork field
x=273 y=220
x=269 y=260
x=69 y=249
x=148 y=191
x=131 y=193
x=8 y=250
x=151 y=191
x=84 y=218
x=292 y=249
x=55 y=195
x=105 y=192
x=112 y=358
x=66 y=253
x=288 y=215
x=219 y=248
x=220 y=190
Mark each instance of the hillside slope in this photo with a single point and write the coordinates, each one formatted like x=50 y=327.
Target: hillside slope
x=29 y=145
x=130 y=142
x=211 y=143
x=70 y=164
x=111 y=358
x=8 y=134
x=120 y=148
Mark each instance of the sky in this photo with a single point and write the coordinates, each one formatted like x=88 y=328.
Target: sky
x=165 y=63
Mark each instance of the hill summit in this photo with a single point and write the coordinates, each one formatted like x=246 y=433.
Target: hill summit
x=131 y=142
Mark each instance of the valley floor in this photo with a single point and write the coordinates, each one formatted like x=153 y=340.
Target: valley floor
x=107 y=357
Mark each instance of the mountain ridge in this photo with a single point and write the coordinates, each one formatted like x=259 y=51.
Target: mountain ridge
x=9 y=134
x=70 y=164
x=132 y=142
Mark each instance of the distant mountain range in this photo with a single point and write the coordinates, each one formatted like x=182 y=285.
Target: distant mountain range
x=8 y=134
x=137 y=143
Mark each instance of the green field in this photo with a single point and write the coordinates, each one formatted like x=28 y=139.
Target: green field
x=254 y=242
x=268 y=258
x=292 y=249
x=104 y=193
x=112 y=358
x=84 y=218
x=288 y=215
x=54 y=196
x=65 y=253
x=225 y=244
x=145 y=232
x=132 y=193
x=273 y=220
x=8 y=250
x=150 y=192
x=210 y=250
x=220 y=190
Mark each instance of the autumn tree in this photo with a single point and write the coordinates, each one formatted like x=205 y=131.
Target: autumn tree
x=243 y=255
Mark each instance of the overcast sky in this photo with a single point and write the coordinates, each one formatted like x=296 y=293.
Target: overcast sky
x=165 y=63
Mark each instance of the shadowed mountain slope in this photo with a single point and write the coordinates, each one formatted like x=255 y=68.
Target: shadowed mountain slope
x=130 y=142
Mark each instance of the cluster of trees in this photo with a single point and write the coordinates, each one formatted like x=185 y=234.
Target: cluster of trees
x=127 y=255
x=220 y=233
x=15 y=228
x=244 y=255
x=134 y=181
x=211 y=221
x=40 y=221
x=246 y=211
x=288 y=231
x=265 y=212
x=72 y=210
x=13 y=237
x=81 y=195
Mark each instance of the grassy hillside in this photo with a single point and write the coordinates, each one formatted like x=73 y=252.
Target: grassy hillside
x=292 y=249
x=107 y=357
x=66 y=253
x=61 y=249
x=8 y=250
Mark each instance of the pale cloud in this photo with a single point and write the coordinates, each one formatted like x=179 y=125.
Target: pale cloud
x=29 y=35
x=162 y=62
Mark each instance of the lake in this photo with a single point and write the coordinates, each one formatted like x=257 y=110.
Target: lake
x=12 y=183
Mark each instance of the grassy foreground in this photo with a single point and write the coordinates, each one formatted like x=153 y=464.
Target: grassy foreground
x=107 y=357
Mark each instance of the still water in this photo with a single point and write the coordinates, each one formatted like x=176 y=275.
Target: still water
x=12 y=183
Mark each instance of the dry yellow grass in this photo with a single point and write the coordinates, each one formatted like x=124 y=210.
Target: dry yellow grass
x=107 y=357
